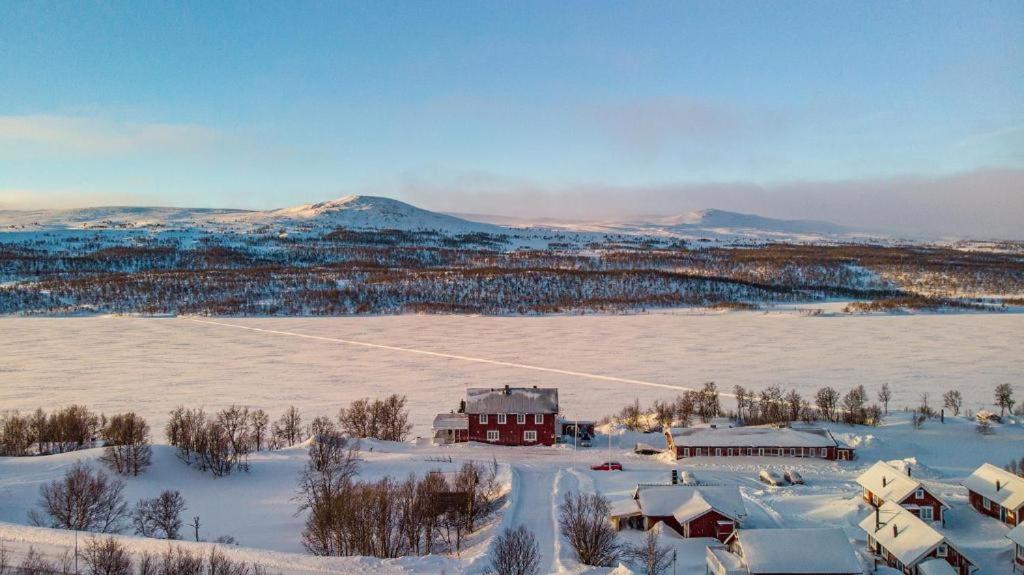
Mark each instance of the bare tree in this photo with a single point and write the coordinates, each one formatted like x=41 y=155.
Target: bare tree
x=1004 y=398
x=194 y=524
x=106 y=557
x=631 y=415
x=160 y=516
x=386 y=419
x=827 y=400
x=34 y=564
x=884 y=396
x=288 y=430
x=127 y=451
x=650 y=557
x=583 y=519
x=82 y=500
x=952 y=400
x=260 y=427
x=515 y=552
x=709 y=405
x=741 y=400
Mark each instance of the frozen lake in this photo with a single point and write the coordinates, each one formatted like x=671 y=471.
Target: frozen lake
x=151 y=365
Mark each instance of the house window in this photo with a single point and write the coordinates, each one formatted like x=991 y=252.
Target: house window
x=718 y=451
x=792 y=452
x=919 y=494
x=760 y=451
x=538 y=418
x=824 y=452
x=483 y=418
x=686 y=452
x=529 y=436
x=698 y=452
x=985 y=503
x=750 y=451
x=492 y=435
x=520 y=418
x=942 y=550
x=730 y=451
x=927 y=513
x=501 y=419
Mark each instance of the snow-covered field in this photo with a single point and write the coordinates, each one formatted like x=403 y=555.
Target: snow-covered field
x=598 y=362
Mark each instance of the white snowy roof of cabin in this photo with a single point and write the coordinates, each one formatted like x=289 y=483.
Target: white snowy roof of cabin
x=1011 y=488
x=753 y=437
x=451 y=421
x=515 y=400
x=936 y=566
x=688 y=502
x=913 y=538
x=1017 y=535
x=827 y=550
x=889 y=483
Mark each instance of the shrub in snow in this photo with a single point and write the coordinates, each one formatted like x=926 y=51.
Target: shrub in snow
x=82 y=500
x=126 y=440
x=515 y=552
x=160 y=516
x=106 y=557
x=583 y=520
x=648 y=556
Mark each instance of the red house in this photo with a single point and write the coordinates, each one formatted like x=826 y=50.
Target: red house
x=997 y=493
x=1017 y=536
x=817 y=443
x=902 y=541
x=882 y=482
x=691 y=511
x=512 y=415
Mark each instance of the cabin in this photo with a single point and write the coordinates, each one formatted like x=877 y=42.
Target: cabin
x=997 y=493
x=784 y=552
x=450 y=428
x=1016 y=535
x=883 y=482
x=512 y=415
x=816 y=443
x=691 y=511
x=901 y=540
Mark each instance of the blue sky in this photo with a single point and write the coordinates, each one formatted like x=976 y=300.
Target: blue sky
x=473 y=104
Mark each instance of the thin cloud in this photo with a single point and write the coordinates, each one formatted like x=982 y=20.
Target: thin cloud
x=91 y=136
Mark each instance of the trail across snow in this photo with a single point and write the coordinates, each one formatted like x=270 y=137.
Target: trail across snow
x=456 y=357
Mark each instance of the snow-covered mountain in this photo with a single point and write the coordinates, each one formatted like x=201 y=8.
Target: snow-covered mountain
x=376 y=213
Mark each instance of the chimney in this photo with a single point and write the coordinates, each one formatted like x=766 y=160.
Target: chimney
x=895 y=530
x=883 y=481
x=908 y=470
x=999 y=485
x=878 y=519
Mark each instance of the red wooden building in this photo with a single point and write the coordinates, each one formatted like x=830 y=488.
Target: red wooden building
x=1017 y=536
x=785 y=552
x=691 y=511
x=883 y=482
x=904 y=542
x=816 y=443
x=512 y=415
x=997 y=493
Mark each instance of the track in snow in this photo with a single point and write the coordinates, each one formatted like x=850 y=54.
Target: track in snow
x=466 y=358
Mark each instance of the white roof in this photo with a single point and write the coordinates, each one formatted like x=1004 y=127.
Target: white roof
x=753 y=437
x=768 y=551
x=624 y=508
x=912 y=538
x=687 y=502
x=451 y=421
x=936 y=567
x=512 y=400
x=1017 y=535
x=1011 y=488
x=889 y=483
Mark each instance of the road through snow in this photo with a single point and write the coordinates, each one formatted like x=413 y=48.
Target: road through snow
x=533 y=507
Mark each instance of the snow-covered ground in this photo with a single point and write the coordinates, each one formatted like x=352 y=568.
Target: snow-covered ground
x=599 y=363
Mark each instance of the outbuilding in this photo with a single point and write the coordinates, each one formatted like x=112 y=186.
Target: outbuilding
x=997 y=493
x=785 y=552
x=902 y=541
x=691 y=511
x=813 y=442
x=883 y=482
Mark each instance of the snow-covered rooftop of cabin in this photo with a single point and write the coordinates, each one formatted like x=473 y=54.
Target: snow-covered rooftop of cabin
x=1011 y=487
x=888 y=483
x=798 y=551
x=912 y=537
x=687 y=502
x=936 y=567
x=512 y=400
x=451 y=421
x=1017 y=535
x=753 y=437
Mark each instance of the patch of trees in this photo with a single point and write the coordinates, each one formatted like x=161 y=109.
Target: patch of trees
x=388 y=517
x=38 y=433
x=82 y=500
x=222 y=442
x=386 y=419
x=126 y=444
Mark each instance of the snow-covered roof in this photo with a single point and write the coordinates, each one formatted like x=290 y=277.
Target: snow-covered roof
x=889 y=483
x=1011 y=487
x=754 y=437
x=451 y=421
x=901 y=532
x=624 y=508
x=512 y=400
x=1017 y=535
x=687 y=502
x=936 y=567
x=768 y=551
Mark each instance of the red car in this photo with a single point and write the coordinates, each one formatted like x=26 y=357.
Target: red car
x=607 y=466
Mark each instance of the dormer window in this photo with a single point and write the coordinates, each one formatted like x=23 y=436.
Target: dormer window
x=942 y=550
x=919 y=494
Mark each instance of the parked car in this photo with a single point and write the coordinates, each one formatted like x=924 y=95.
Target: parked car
x=772 y=477
x=584 y=441
x=607 y=466
x=687 y=478
x=793 y=476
